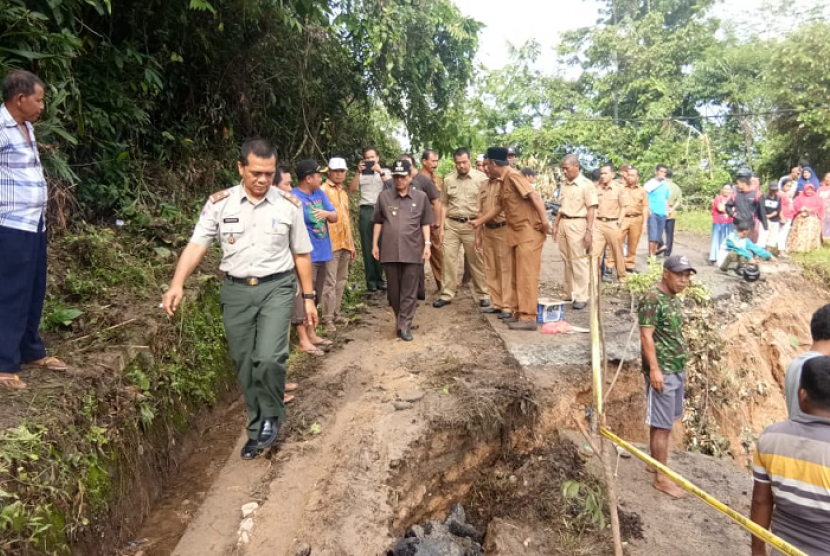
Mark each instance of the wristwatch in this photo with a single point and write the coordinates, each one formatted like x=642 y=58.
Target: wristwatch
x=312 y=295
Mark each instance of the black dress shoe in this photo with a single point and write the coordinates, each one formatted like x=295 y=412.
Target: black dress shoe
x=579 y=304
x=250 y=450
x=491 y=310
x=632 y=271
x=438 y=303
x=405 y=335
x=268 y=433
x=484 y=303
x=505 y=315
x=421 y=296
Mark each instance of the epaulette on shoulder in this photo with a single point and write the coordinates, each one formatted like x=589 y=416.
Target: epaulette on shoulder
x=220 y=196
x=292 y=199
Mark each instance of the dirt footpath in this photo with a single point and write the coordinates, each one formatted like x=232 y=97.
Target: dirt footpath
x=386 y=434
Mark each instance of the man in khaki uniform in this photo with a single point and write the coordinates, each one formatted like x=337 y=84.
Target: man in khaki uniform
x=491 y=238
x=527 y=227
x=263 y=236
x=459 y=198
x=573 y=228
x=429 y=164
x=612 y=204
x=636 y=216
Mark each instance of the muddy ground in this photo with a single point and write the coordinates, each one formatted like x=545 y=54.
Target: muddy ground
x=387 y=434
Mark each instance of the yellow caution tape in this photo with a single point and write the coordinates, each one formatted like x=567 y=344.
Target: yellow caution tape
x=744 y=522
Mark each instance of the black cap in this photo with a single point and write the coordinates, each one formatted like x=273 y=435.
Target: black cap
x=307 y=168
x=401 y=168
x=511 y=150
x=497 y=153
x=678 y=264
x=744 y=173
x=528 y=172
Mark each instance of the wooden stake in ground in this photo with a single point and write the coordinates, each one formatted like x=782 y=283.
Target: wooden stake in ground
x=598 y=420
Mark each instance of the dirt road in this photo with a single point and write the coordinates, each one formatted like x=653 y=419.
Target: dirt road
x=385 y=434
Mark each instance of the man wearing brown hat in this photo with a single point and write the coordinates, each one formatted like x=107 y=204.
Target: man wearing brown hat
x=527 y=228
x=403 y=215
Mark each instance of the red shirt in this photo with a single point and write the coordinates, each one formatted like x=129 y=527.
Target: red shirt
x=787 y=211
x=719 y=217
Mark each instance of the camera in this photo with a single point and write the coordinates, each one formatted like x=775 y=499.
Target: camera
x=367 y=169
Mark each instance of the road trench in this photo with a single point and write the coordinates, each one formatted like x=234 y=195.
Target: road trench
x=386 y=436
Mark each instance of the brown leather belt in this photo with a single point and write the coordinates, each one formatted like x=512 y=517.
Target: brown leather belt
x=565 y=216
x=494 y=226
x=607 y=219
x=462 y=220
x=633 y=215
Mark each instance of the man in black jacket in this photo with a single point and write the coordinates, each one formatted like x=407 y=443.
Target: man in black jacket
x=746 y=204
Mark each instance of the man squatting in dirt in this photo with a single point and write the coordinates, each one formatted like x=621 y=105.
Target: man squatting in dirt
x=664 y=355
x=263 y=236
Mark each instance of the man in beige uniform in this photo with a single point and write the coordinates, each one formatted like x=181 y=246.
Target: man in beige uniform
x=429 y=164
x=263 y=236
x=459 y=198
x=527 y=227
x=573 y=228
x=611 y=209
x=492 y=239
x=636 y=216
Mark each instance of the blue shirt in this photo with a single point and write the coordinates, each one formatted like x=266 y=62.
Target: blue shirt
x=658 y=198
x=318 y=230
x=22 y=185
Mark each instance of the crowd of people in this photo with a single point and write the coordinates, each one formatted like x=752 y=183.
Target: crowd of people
x=287 y=246
x=792 y=216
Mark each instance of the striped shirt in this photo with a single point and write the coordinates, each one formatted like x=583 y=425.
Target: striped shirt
x=794 y=458
x=22 y=185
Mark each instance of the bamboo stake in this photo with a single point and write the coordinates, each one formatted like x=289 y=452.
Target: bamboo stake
x=598 y=413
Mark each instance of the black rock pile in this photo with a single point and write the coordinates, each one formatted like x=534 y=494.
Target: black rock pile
x=453 y=537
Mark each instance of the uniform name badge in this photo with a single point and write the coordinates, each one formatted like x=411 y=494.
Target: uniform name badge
x=394 y=211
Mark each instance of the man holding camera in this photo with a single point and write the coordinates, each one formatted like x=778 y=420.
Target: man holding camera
x=369 y=181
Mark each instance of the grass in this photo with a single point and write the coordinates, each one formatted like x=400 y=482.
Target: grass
x=695 y=221
x=816 y=264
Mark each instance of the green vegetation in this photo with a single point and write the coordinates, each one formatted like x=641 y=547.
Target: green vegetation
x=816 y=264
x=61 y=472
x=697 y=221
x=663 y=81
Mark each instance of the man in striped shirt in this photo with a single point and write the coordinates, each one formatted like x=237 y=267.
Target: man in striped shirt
x=792 y=469
x=22 y=231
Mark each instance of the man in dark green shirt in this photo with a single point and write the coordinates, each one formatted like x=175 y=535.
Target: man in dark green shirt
x=664 y=361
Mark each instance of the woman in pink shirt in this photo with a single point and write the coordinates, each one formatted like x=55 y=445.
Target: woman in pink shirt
x=824 y=193
x=787 y=214
x=721 y=222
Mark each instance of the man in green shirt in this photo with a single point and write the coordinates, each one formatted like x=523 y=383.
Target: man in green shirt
x=664 y=355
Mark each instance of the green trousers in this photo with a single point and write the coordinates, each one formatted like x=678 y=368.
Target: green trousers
x=256 y=322
x=374 y=272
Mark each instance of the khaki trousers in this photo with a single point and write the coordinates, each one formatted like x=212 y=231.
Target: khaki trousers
x=337 y=276
x=572 y=249
x=458 y=236
x=632 y=230
x=498 y=269
x=608 y=233
x=527 y=264
x=436 y=262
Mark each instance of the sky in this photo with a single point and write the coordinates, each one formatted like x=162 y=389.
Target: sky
x=518 y=21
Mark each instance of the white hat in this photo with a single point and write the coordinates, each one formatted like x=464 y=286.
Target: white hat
x=480 y=158
x=337 y=163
